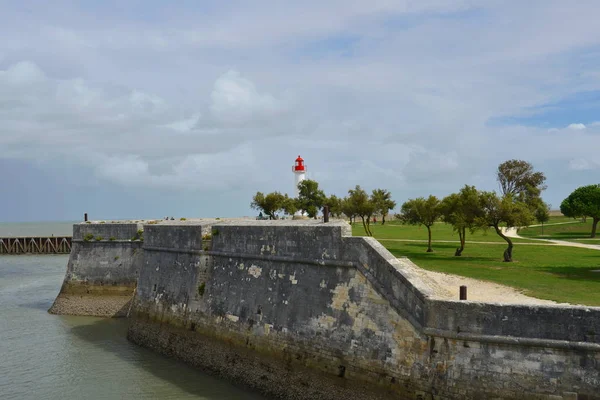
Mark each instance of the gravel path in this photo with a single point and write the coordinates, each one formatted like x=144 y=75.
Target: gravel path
x=446 y=287
x=512 y=232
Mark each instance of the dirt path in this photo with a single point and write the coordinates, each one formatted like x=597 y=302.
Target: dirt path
x=446 y=287
x=512 y=232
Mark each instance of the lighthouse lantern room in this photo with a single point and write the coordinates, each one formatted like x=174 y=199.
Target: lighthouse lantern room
x=299 y=170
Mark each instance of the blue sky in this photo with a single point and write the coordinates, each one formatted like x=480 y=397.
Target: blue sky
x=144 y=109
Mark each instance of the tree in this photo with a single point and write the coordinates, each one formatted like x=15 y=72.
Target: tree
x=310 y=198
x=542 y=214
x=583 y=202
x=269 y=204
x=348 y=209
x=335 y=205
x=517 y=178
x=421 y=211
x=289 y=205
x=461 y=210
x=499 y=212
x=382 y=200
x=359 y=203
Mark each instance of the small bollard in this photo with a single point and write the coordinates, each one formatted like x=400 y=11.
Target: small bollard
x=326 y=214
x=463 y=292
x=85 y=217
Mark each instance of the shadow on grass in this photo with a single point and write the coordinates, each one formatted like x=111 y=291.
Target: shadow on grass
x=574 y=273
x=441 y=251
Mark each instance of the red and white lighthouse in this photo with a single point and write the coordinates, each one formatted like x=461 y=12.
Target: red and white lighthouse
x=299 y=174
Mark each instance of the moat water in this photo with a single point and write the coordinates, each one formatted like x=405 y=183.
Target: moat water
x=44 y=356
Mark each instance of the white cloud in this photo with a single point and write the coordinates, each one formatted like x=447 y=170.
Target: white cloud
x=582 y=164
x=395 y=94
x=235 y=100
x=577 y=127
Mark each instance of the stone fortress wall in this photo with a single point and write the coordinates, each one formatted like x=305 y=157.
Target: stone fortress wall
x=301 y=309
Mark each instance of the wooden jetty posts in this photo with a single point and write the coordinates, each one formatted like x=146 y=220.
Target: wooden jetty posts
x=36 y=245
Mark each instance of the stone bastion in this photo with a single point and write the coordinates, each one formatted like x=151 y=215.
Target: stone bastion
x=303 y=310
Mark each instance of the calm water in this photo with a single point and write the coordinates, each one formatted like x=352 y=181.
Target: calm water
x=45 y=356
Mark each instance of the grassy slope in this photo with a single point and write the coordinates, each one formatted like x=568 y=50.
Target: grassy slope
x=556 y=273
x=570 y=231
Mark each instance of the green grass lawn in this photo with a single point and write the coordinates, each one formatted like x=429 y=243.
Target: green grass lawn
x=439 y=231
x=563 y=274
x=570 y=231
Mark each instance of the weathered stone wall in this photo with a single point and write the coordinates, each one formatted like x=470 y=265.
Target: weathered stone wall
x=102 y=270
x=301 y=310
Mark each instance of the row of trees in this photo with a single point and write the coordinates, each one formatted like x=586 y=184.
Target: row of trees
x=311 y=199
x=518 y=204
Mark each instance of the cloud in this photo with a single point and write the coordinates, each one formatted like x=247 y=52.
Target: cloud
x=394 y=94
x=236 y=101
x=577 y=127
x=582 y=164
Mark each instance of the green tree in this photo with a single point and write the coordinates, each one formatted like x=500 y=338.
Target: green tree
x=335 y=205
x=542 y=214
x=503 y=212
x=421 y=211
x=518 y=179
x=310 y=198
x=382 y=200
x=289 y=205
x=583 y=202
x=348 y=209
x=269 y=203
x=359 y=203
x=461 y=210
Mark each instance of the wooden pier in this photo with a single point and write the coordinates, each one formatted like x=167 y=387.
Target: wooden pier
x=36 y=245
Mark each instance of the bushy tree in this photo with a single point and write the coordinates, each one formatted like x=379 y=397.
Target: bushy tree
x=269 y=203
x=542 y=214
x=382 y=200
x=359 y=203
x=461 y=210
x=518 y=179
x=289 y=205
x=310 y=198
x=335 y=205
x=503 y=212
x=348 y=210
x=421 y=211
x=583 y=202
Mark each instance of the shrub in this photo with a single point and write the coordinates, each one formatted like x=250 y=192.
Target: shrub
x=112 y=238
x=116 y=258
x=99 y=238
x=182 y=219
x=88 y=237
x=139 y=235
x=215 y=232
x=207 y=236
x=201 y=289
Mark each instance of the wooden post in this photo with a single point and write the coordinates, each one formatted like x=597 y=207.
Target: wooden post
x=463 y=293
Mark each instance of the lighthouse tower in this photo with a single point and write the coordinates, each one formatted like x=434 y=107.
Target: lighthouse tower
x=299 y=174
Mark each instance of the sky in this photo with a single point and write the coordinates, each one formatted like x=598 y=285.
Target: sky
x=143 y=109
